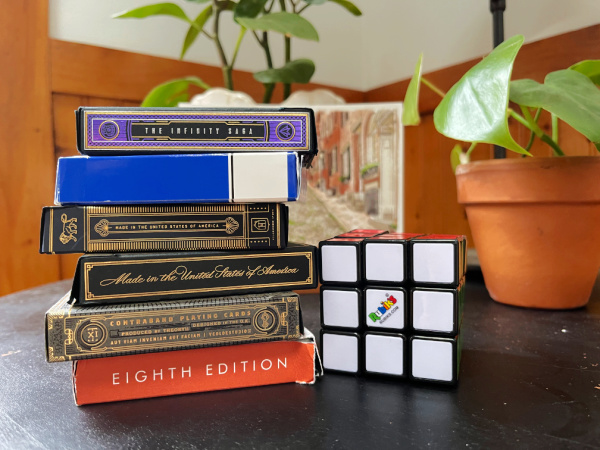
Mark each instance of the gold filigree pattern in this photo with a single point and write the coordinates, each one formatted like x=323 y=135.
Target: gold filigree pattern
x=231 y=225
x=70 y=336
x=69 y=231
x=102 y=228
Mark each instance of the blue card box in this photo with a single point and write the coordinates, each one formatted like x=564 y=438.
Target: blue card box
x=189 y=178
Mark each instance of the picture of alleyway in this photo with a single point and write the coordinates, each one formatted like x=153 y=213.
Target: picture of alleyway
x=320 y=217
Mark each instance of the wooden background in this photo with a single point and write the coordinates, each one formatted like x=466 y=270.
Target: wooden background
x=43 y=81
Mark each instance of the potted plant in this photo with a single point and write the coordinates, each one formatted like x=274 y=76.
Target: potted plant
x=255 y=17
x=534 y=220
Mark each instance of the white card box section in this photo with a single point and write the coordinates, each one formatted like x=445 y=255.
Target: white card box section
x=341 y=307
x=341 y=351
x=386 y=308
x=274 y=177
x=341 y=260
x=386 y=258
x=438 y=260
x=437 y=311
x=385 y=354
x=435 y=359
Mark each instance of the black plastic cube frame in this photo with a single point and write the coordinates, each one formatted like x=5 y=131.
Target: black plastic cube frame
x=360 y=354
x=361 y=305
x=405 y=361
x=406 y=307
x=456 y=355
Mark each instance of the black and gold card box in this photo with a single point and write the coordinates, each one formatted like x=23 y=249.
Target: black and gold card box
x=79 y=332
x=146 y=228
x=141 y=277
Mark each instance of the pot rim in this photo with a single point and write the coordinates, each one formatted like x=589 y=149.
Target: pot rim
x=525 y=163
x=571 y=179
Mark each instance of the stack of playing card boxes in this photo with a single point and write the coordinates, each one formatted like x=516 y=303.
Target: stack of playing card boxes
x=179 y=213
x=392 y=304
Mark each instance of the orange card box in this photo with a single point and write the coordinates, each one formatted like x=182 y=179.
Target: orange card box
x=198 y=370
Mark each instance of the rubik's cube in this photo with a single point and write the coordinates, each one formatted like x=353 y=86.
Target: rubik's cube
x=391 y=304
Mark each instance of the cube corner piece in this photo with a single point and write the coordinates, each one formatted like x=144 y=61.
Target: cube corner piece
x=341 y=351
x=438 y=260
x=341 y=261
x=435 y=359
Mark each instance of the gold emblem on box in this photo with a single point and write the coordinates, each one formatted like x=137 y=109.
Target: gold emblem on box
x=69 y=229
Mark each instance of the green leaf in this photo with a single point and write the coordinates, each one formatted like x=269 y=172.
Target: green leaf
x=297 y=71
x=195 y=29
x=198 y=1
x=475 y=108
x=172 y=92
x=282 y=22
x=456 y=157
x=568 y=94
x=248 y=8
x=590 y=68
x=349 y=6
x=315 y=2
x=410 y=109
x=159 y=9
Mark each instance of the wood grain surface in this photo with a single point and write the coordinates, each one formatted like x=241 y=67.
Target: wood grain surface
x=27 y=153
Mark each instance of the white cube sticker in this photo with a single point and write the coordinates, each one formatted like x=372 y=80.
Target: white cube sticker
x=340 y=308
x=384 y=308
x=384 y=262
x=384 y=354
x=432 y=360
x=434 y=262
x=433 y=310
x=339 y=263
x=340 y=352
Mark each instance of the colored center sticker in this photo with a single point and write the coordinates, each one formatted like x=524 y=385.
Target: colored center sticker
x=383 y=312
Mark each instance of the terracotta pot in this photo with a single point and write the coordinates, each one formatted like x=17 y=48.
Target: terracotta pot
x=536 y=226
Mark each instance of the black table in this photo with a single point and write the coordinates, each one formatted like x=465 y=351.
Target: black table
x=528 y=378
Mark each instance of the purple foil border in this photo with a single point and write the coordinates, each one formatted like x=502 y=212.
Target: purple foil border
x=124 y=141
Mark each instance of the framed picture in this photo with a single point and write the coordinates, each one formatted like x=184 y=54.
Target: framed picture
x=357 y=179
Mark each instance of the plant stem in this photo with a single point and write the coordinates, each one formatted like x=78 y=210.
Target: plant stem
x=433 y=87
x=268 y=86
x=528 y=122
x=471 y=148
x=268 y=92
x=237 y=46
x=548 y=140
x=554 y=127
x=228 y=81
x=287 y=87
x=522 y=120
x=531 y=133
